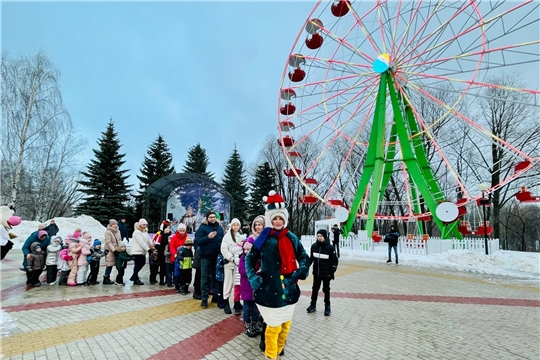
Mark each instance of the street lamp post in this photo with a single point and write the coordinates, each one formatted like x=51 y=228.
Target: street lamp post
x=483 y=187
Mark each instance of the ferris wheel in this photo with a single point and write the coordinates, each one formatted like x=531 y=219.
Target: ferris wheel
x=387 y=108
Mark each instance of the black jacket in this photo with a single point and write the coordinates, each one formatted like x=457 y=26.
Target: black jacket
x=336 y=234
x=324 y=259
x=52 y=229
x=206 y=247
x=123 y=230
x=392 y=238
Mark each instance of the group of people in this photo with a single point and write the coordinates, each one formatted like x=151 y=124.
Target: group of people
x=255 y=275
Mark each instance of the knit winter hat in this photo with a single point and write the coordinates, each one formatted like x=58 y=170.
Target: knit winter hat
x=189 y=241
x=113 y=222
x=208 y=213
x=275 y=206
x=122 y=244
x=41 y=233
x=323 y=232
x=58 y=238
x=143 y=222
x=97 y=242
x=235 y=220
x=260 y=220
x=76 y=234
x=181 y=226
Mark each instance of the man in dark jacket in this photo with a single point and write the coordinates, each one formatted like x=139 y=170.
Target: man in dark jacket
x=123 y=230
x=52 y=229
x=208 y=243
x=336 y=231
x=325 y=262
x=392 y=239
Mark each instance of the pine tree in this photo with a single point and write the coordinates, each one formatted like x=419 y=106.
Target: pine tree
x=157 y=164
x=104 y=184
x=235 y=182
x=263 y=181
x=197 y=161
x=206 y=202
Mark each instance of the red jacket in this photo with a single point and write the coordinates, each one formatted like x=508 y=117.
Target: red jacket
x=175 y=242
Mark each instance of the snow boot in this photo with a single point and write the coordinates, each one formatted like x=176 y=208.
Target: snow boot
x=238 y=308
x=312 y=307
x=107 y=280
x=388 y=261
x=327 y=310
x=227 y=309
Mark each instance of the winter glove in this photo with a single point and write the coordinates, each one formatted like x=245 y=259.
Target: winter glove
x=29 y=269
x=298 y=275
x=106 y=252
x=224 y=262
x=255 y=282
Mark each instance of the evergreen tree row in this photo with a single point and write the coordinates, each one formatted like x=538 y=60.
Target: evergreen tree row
x=108 y=194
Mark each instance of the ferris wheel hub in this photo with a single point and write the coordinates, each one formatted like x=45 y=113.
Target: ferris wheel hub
x=381 y=63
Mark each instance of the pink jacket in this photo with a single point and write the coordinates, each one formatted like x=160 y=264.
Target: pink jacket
x=74 y=248
x=85 y=250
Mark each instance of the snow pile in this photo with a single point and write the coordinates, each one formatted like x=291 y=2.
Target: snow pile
x=502 y=263
x=66 y=226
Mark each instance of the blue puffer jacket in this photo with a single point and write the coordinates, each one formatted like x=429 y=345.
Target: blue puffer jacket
x=206 y=247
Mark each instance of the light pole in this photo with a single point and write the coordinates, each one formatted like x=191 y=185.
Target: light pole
x=483 y=187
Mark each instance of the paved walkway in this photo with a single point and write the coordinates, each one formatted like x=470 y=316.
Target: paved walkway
x=378 y=312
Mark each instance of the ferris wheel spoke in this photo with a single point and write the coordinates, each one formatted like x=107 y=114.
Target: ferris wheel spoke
x=432 y=139
x=367 y=34
x=471 y=82
x=472 y=123
x=479 y=25
x=483 y=52
x=327 y=117
x=420 y=32
x=364 y=83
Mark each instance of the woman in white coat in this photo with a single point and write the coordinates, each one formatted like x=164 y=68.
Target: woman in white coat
x=140 y=245
x=229 y=250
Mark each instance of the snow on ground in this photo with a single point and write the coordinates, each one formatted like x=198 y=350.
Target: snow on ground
x=66 y=226
x=502 y=263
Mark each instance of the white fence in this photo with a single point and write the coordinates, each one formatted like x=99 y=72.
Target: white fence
x=415 y=245
x=438 y=246
x=351 y=242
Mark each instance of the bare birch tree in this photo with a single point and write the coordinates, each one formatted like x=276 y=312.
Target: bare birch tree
x=40 y=145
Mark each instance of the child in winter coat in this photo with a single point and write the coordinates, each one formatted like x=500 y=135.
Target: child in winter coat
x=82 y=261
x=52 y=260
x=153 y=261
x=183 y=267
x=95 y=258
x=121 y=262
x=220 y=277
x=169 y=266
x=251 y=313
x=74 y=250
x=63 y=264
x=35 y=264
x=325 y=261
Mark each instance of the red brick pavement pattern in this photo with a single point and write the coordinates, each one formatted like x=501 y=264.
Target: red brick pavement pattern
x=204 y=342
x=433 y=298
x=86 y=300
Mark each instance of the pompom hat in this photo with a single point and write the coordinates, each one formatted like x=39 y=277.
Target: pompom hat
x=275 y=206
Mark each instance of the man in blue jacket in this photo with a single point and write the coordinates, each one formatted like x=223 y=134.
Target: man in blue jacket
x=208 y=244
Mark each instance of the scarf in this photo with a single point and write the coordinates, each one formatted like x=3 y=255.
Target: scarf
x=182 y=237
x=285 y=247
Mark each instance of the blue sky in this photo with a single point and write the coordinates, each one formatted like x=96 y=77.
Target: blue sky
x=194 y=72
